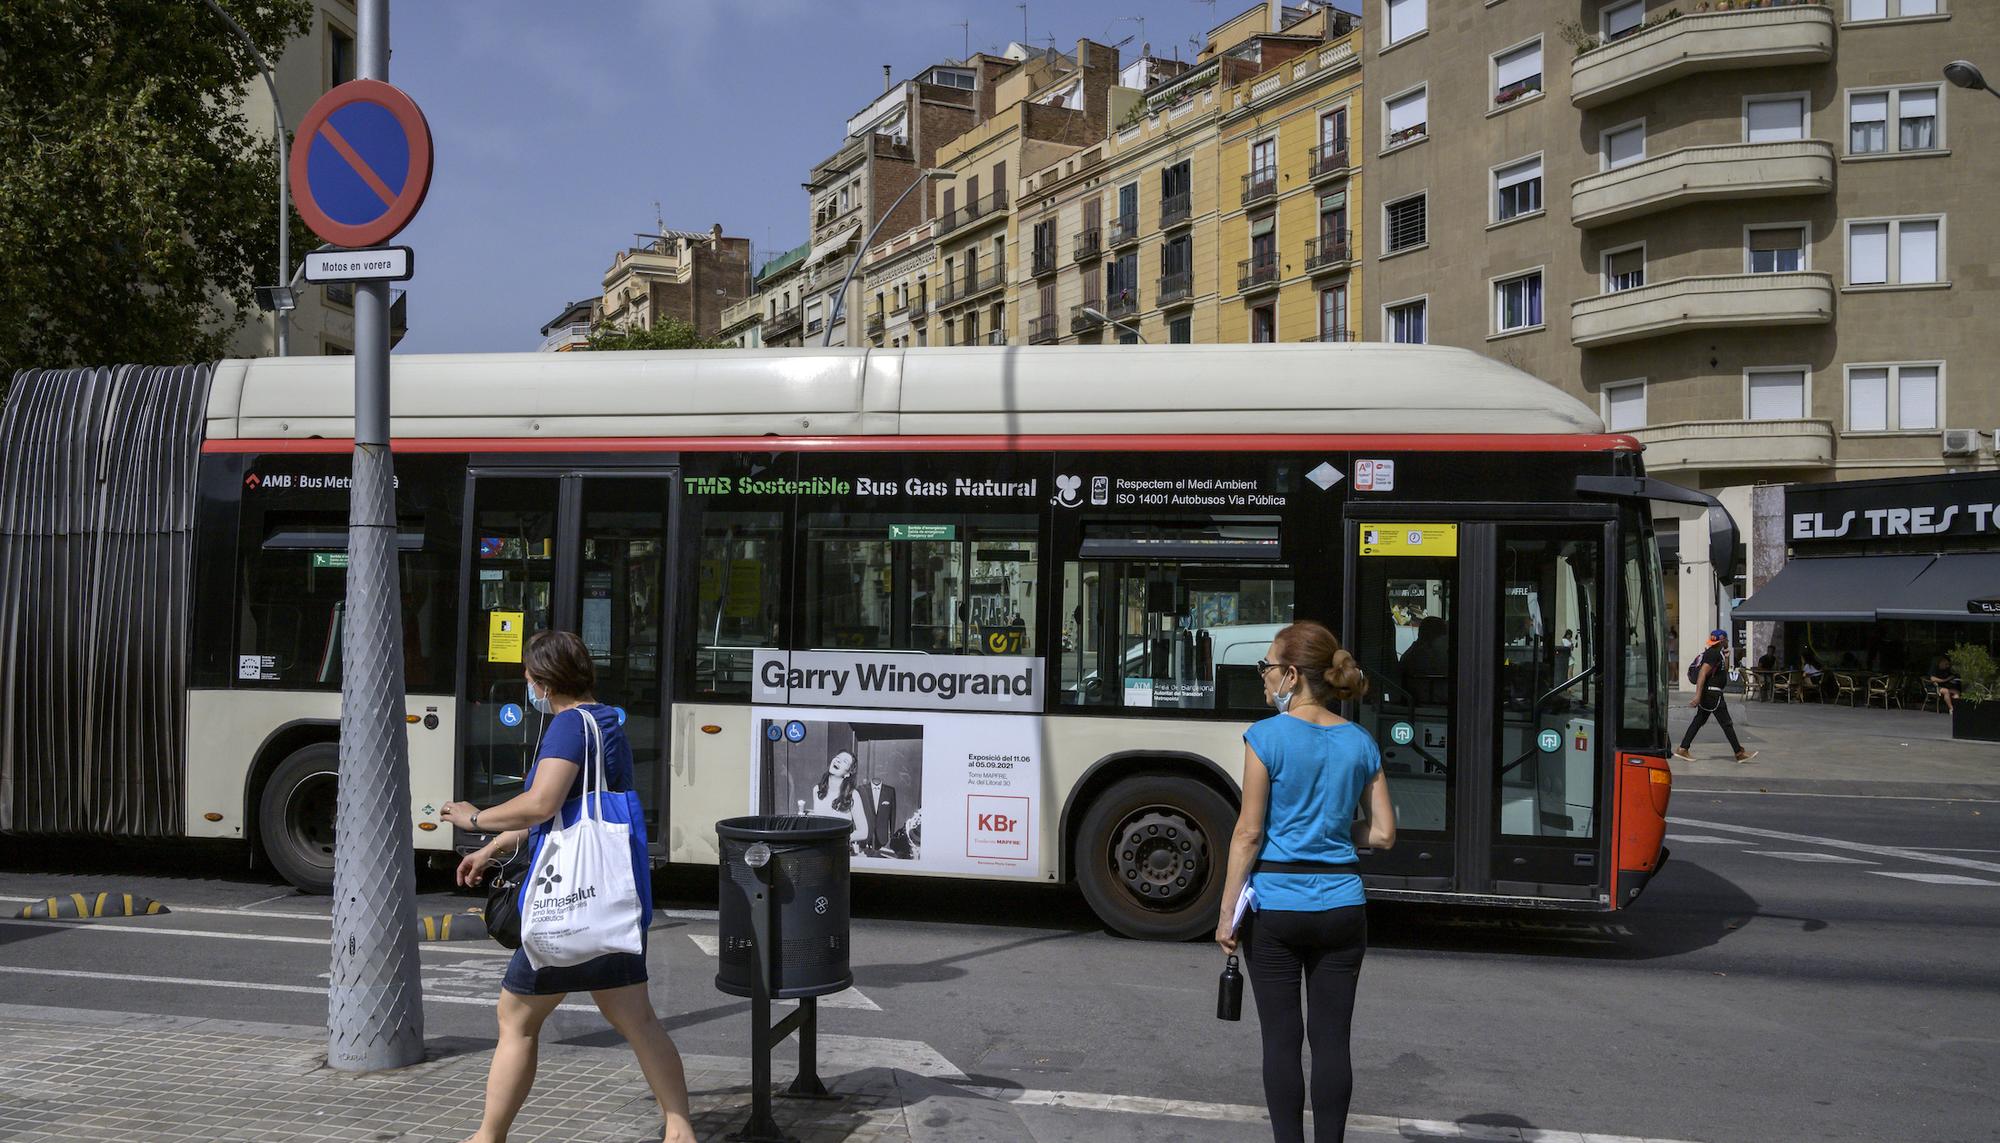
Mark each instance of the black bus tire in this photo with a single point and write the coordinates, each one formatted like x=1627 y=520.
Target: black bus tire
x=295 y=816
x=1151 y=854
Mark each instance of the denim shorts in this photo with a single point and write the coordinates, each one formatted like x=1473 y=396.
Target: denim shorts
x=612 y=970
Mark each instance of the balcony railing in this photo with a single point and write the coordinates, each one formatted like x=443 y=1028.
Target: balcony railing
x=1122 y=303
x=1087 y=243
x=782 y=323
x=1042 y=330
x=1684 y=305
x=965 y=287
x=994 y=337
x=563 y=337
x=1334 y=335
x=1329 y=158
x=1408 y=134
x=875 y=322
x=1124 y=230
x=1259 y=185
x=814 y=326
x=972 y=212
x=1176 y=209
x=920 y=307
x=1728 y=170
x=1045 y=261
x=1519 y=89
x=1332 y=248
x=1079 y=321
x=1255 y=273
x=1176 y=287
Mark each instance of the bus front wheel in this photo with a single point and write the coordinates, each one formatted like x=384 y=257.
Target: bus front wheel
x=1150 y=856
x=295 y=816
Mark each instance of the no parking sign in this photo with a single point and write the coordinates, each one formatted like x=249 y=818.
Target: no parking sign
x=362 y=163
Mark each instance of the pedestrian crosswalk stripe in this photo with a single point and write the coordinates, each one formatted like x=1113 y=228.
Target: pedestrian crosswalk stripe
x=1831 y=858
x=1700 y=839
x=1841 y=843
x=711 y=945
x=1935 y=878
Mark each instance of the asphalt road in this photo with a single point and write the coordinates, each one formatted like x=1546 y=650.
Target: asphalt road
x=1806 y=967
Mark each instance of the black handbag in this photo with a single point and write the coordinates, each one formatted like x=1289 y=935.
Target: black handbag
x=503 y=900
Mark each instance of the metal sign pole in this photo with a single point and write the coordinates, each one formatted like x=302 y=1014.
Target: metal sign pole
x=375 y=1016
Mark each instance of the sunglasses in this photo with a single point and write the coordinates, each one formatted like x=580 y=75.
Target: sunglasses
x=1264 y=665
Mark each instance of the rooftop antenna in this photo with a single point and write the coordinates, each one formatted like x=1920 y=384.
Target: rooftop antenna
x=1024 y=22
x=966 y=27
x=659 y=220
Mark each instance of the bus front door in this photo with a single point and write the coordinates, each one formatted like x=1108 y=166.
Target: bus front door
x=1482 y=645
x=584 y=552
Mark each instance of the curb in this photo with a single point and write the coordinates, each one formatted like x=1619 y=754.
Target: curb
x=85 y=906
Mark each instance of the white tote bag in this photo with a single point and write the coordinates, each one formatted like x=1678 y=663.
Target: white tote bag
x=582 y=898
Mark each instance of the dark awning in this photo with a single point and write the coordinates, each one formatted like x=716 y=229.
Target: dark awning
x=1836 y=589
x=1943 y=588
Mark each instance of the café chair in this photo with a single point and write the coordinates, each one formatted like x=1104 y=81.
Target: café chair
x=1932 y=699
x=1885 y=687
x=1844 y=687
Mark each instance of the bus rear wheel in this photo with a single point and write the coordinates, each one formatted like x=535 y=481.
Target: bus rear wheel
x=1151 y=854
x=295 y=816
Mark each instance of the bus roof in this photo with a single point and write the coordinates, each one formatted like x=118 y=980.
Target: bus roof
x=1001 y=391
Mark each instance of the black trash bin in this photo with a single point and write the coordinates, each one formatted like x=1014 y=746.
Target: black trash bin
x=807 y=876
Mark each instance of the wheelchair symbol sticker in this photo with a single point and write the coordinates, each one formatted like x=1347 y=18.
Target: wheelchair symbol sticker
x=1402 y=734
x=1549 y=741
x=795 y=731
x=510 y=715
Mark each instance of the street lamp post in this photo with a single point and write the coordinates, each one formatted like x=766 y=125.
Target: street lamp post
x=1966 y=74
x=840 y=299
x=281 y=309
x=1098 y=315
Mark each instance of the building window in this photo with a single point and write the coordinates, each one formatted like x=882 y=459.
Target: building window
x=1333 y=130
x=1775 y=395
x=1180 y=331
x=1625 y=406
x=1914 y=110
x=1517 y=189
x=1623 y=146
x=1775 y=249
x=1403 y=224
x=1333 y=314
x=340 y=55
x=1916 y=257
x=1624 y=269
x=1517 y=302
x=1892 y=398
x=1406 y=117
x=1264 y=324
x=1405 y=19
x=1774 y=120
x=1620 y=20
x=1406 y=321
x=1858 y=10
x=1517 y=73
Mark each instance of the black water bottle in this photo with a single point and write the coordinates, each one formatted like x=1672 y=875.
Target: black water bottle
x=1229 y=993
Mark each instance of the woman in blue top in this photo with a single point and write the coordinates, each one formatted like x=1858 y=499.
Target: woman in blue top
x=562 y=683
x=1306 y=771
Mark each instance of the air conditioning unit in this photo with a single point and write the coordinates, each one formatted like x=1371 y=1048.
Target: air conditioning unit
x=1961 y=442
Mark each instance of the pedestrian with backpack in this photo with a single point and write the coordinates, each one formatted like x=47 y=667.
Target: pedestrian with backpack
x=1709 y=672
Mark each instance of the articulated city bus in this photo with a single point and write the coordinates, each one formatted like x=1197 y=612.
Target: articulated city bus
x=1001 y=606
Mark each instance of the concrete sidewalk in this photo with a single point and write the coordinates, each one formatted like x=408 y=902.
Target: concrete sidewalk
x=1811 y=747
x=89 y=1075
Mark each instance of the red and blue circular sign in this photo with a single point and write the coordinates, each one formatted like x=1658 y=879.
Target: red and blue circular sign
x=361 y=163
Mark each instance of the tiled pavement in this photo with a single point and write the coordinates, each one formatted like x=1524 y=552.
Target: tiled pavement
x=166 y=1078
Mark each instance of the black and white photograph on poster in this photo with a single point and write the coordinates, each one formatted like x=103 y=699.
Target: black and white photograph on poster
x=925 y=791
x=870 y=773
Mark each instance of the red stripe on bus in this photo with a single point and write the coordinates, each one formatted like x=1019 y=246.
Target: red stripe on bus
x=1228 y=442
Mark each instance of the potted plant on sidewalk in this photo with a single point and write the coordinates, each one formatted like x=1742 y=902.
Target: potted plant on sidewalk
x=1976 y=714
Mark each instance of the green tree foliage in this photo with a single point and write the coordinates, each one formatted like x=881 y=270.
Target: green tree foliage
x=135 y=205
x=667 y=333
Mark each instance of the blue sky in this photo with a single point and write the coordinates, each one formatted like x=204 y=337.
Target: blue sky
x=559 y=125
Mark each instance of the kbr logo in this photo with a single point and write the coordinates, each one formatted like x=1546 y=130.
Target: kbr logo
x=999 y=823
x=996 y=826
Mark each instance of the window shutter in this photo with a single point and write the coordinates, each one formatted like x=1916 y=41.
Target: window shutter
x=1917 y=104
x=1778 y=395
x=1781 y=238
x=1625 y=408
x=1774 y=120
x=1334 y=201
x=1408 y=111
x=1916 y=400
x=1406 y=19
x=1867 y=400
x=1262 y=226
x=1872 y=108
x=1627 y=146
x=1624 y=18
x=1867 y=9
x=1918 y=257
x=1868 y=253
x=1517 y=65
x=1519 y=173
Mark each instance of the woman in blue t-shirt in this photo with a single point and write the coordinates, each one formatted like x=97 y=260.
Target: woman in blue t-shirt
x=1306 y=771
x=562 y=683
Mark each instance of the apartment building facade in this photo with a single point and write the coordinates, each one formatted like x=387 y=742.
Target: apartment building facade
x=1750 y=234
x=1290 y=184
x=896 y=276
x=681 y=275
x=777 y=305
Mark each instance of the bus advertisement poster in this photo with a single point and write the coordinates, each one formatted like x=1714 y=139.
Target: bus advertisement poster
x=1006 y=683
x=927 y=792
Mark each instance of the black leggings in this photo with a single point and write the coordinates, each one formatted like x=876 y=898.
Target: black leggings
x=1325 y=948
x=1720 y=713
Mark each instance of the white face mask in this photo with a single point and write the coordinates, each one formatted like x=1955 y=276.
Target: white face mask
x=1282 y=700
x=539 y=698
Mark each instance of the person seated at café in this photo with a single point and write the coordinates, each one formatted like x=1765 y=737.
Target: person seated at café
x=1949 y=685
x=1815 y=674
